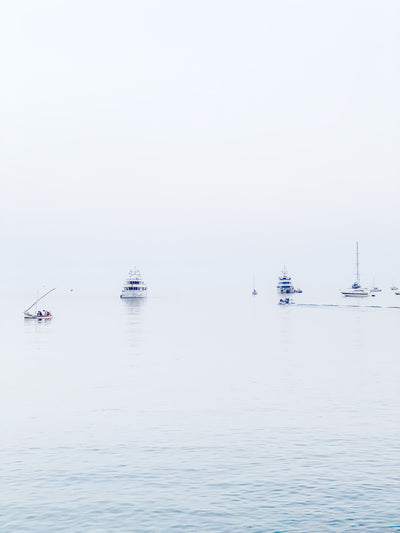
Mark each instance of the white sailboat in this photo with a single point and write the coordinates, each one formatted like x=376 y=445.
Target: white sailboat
x=356 y=290
x=39 y=315
x=375 y=288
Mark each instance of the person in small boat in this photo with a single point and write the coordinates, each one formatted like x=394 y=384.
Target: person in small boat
x=39 y=313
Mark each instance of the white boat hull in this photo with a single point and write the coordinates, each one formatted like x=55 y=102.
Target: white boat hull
x=355 y=294
x=29 y=317
x=126 y=296
x=286 y=291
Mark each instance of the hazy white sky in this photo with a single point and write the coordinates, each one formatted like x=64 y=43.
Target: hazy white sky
x=215 y=137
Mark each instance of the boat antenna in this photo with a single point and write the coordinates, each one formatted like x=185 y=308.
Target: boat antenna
x=34 y=303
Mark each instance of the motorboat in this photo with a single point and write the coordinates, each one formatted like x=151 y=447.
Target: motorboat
x=285 y=301
x=39 y=314
x=356 y=290
x=134 y=286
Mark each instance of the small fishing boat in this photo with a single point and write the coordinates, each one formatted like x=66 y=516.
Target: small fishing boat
x=285 y=301
x=39 y=314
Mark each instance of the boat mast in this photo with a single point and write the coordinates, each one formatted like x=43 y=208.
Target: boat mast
x=34 y=303
x=358 y=272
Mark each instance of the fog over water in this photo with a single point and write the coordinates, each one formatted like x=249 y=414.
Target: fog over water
x=211 y=139
x=206 y=143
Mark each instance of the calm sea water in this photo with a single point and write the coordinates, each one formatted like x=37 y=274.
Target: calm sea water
x=209 y=411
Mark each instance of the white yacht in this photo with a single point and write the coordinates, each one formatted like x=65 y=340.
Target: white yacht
x=134 y=286
x=356 y=290
x=285 y=285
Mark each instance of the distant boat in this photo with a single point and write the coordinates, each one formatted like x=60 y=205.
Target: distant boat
x=375 y=288
x=285 y=301
x=134 y=286
x=394 y=288
x=39 y=315
x=356 y=289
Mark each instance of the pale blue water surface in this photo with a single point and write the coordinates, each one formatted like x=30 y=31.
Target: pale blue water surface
x=208 y=411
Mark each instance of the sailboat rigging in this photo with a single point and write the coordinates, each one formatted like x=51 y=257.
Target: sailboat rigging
x=39 y=315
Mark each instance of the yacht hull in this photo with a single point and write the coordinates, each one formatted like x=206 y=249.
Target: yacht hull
x=355 y=295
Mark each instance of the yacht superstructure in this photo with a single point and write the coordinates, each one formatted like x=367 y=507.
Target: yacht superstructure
x=285 y=285
x=134 y=286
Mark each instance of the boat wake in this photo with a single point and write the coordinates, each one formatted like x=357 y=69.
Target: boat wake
x=352 y=305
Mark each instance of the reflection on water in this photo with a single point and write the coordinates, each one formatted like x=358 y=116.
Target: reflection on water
x=134 y=306
x=133 y=310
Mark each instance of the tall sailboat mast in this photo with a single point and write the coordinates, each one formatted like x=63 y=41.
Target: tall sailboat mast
x=358 y=272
